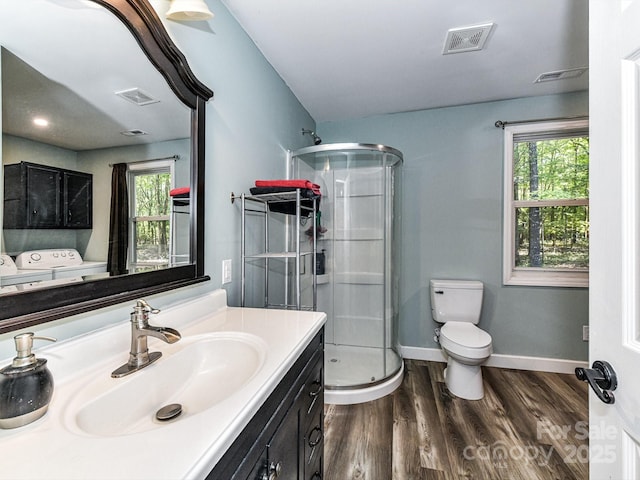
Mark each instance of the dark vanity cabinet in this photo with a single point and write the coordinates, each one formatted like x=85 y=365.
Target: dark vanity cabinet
x=41 y=196
x=284 y=440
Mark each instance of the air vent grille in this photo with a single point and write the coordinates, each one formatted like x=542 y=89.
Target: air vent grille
x=560 y=75
x=466 y=39
x=137 y=96
x=134 y=132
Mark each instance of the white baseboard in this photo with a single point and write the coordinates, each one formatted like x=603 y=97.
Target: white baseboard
x=422 y=353
x=518 y=362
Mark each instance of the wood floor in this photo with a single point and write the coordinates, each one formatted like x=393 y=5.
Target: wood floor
x=529 y=426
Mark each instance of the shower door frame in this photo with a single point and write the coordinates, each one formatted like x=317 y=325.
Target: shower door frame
x=388 y=231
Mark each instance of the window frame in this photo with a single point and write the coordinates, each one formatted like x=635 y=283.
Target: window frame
x=134 y=170
x=534 y=276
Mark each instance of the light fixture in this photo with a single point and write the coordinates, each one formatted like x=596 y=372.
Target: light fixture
x=41 y=122
x=189 y=10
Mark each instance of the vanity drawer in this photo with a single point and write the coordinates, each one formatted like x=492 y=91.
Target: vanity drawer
x=274 y=440
x=260 y=468
x=312 y=396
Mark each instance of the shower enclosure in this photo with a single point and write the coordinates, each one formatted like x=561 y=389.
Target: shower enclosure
x=357 y=264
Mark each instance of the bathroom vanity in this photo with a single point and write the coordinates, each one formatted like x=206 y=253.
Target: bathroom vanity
x=286 y=436
x=249 y=381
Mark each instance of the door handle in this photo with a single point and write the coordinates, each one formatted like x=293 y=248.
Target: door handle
x=602 y=378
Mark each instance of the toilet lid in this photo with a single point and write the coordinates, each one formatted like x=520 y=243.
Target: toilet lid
x=466 y=334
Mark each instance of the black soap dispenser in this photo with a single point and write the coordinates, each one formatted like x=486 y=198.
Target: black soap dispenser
x=26 y=385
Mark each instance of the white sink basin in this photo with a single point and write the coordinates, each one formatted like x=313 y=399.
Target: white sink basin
x=197 y=373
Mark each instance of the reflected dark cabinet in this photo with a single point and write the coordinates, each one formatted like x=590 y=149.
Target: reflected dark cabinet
x=41 y=196
x=34 y=192
x=77 y=194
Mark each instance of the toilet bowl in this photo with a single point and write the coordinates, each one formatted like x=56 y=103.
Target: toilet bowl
x=456 y=304
x=466 y=348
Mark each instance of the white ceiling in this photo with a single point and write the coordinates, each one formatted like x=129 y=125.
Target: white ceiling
x=341 y=58
x=64 y=60
x=354 y=58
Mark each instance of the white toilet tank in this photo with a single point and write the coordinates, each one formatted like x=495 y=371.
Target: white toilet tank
x=456 y=300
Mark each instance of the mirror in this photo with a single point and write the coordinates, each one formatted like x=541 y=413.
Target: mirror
x=115 y=89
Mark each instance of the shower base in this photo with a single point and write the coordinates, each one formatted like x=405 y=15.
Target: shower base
x=360 y=374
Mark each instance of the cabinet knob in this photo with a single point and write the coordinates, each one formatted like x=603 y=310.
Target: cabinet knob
x=314 y=394
x=317 y=432
x=316 y=391
x=274 y=471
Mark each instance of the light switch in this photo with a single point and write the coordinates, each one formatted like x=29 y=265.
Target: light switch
x=226 y=271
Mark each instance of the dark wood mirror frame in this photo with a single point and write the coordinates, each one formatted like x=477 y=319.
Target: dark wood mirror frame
x=39 y=306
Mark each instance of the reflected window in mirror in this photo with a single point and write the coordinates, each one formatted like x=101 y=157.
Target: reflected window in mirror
x=158 y=237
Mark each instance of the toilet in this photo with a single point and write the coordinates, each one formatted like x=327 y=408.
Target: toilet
x=456 y=304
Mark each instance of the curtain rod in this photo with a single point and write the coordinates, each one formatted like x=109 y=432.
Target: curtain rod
x=502 y=124
x=173 y=157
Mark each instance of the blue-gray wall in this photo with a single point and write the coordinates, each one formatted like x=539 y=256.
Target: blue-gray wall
x=451 y=200
x=252 y=121
x=452 y=222
x=98 y=163
x=91 y=243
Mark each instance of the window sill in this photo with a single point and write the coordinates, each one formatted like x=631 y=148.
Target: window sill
x=546 y=278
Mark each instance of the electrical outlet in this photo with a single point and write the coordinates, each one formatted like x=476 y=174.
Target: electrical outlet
x=585 y=333
x=226 y=271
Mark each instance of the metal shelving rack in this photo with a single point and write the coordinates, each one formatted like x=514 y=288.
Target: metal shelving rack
x=180 y=207
x=259 y=204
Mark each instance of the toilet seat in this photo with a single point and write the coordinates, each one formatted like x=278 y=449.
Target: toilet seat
x=465 y=339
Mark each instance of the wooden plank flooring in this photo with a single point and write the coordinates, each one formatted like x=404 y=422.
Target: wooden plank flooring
x=529 y=426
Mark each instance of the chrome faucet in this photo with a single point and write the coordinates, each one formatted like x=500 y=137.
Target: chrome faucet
x=139 y=356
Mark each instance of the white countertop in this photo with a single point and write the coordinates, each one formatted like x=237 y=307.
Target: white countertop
x=53 y=447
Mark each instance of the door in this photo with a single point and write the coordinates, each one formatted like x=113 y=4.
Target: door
x=283 y=452
x=43 y=196
x=615 y=233
x=77 y=203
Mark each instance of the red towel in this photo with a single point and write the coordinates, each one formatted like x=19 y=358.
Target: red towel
x=182 y=191
x=296 y=183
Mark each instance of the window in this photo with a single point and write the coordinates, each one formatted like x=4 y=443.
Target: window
x=150 y=215
x=546 y=204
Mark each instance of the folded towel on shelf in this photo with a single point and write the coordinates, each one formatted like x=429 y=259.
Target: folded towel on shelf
x=287 y=206
x=180 y=192
x=304 y=192
x=295 y=183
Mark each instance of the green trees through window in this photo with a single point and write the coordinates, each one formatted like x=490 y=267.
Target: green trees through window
x=550 y=193
x=151 y=220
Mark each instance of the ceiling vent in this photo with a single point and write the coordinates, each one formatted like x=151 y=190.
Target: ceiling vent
x=137 y=96
x=466 y=39
x=560 y=75
x=134 y=132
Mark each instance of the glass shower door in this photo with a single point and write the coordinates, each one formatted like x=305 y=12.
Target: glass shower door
x=358 y=290
x=358 y=278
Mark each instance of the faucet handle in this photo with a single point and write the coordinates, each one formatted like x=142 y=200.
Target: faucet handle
x=145 y=307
